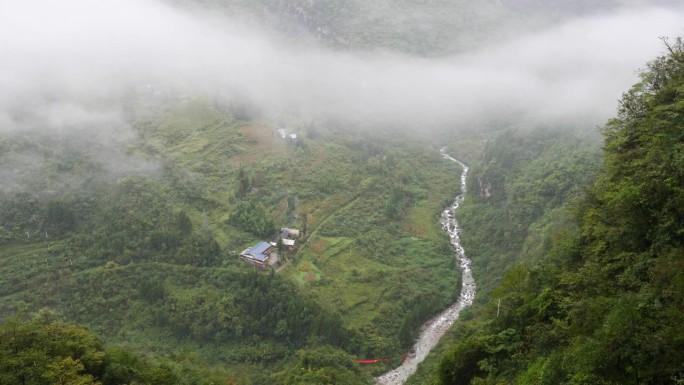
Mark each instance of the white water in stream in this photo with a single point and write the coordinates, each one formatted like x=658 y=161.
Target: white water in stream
x=434 y=329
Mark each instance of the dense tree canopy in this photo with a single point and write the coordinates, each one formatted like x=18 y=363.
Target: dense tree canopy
x=45 y=350
x=604 y=305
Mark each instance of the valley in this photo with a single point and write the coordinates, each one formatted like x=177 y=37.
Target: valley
x=274 y=192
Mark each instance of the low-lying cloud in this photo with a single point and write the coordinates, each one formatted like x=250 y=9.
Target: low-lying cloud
x=61 y=63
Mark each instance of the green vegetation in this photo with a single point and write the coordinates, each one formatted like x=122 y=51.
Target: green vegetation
x=147 y=258
x=579 y=266
x=427 y=27
x=320 y=366
x=518 y=190
x=595 y=295
x=45 y=350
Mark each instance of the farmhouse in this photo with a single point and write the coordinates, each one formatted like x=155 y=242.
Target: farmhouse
x=286 y=233
x=260 y=255
x=289 y=244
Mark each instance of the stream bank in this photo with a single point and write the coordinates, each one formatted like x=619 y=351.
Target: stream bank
x=434 y=328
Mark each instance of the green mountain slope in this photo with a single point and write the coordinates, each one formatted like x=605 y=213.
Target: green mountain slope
x=428 y=27
x=45 y=350
x=135 y=235
x=603 y=304
x=148 y=258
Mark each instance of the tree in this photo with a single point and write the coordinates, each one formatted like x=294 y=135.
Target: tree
x=460 y=365
x=44 y=351
x=47 y=351
x=251 y=217
x=183 y=223
x=67 y=371
x=305 y=224
x=322 y=365
x=243 y=183
x=59 y=219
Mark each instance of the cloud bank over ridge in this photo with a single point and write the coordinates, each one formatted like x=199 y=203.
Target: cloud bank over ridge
x=61 y=64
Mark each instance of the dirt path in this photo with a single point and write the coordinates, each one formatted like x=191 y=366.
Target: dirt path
x=346 y=205
x=435 y=328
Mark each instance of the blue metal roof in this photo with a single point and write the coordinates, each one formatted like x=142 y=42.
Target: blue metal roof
x=257 y=251
x=260 y=247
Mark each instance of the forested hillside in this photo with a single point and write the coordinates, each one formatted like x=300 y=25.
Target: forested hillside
x=45 y=350
x=146 y=146
x=520 y=191
x=601 y=301
x=148 y=260
x=430 y=28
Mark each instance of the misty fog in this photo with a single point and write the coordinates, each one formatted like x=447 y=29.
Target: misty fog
x=66 y=66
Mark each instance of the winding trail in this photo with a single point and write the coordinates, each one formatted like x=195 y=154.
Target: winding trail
x=434 y=329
